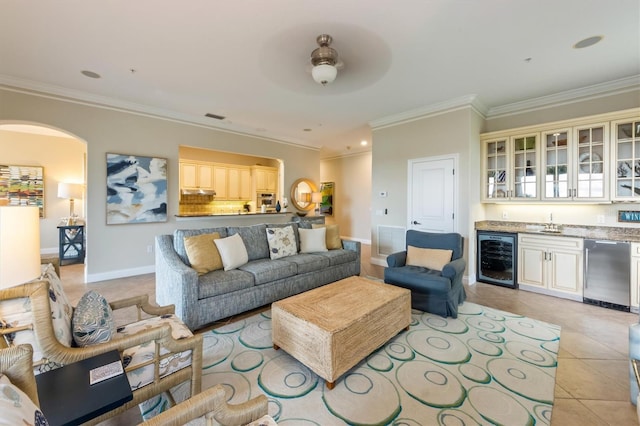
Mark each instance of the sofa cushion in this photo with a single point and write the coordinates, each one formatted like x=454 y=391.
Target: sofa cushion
x=203 y=253
x=16 y=408
x=332 y=239
x=180 y=234
x=137 y=355
x=232 y=251
x=295 y=228
x=282 y=242
x=255 y=240
x=340 y=256
x=220 y=282
x=92 y=320
x=417 y=278
x=428 y=258
x=313 y=240
x=308 y=262
x=267 y=270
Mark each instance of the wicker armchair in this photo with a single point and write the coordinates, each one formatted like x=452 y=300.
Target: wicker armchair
x=16 y=363
x=159 y=338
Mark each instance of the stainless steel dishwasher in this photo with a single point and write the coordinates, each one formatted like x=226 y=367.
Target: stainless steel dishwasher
x=607 y=274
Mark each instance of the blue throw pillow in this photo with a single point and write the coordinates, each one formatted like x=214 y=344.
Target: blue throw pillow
x=92 y=320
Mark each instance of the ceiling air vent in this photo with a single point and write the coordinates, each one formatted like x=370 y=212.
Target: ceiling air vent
x=217 y=117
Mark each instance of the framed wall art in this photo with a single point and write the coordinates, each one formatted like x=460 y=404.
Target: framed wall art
x=136 y=189
x=326 y=206
x=22 y=186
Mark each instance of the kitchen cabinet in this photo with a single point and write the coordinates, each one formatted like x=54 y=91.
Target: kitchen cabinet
x=575 y=163
x=220 y=178
x=626 y=166
x=635 y=276
x=196 y=175
x=239 y=187
x=551 y=265
x=265 y=179
x=510 y=166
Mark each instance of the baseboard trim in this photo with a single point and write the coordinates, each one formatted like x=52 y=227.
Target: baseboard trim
x=120 y=273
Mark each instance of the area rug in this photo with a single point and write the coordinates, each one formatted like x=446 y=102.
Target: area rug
x=485 y=367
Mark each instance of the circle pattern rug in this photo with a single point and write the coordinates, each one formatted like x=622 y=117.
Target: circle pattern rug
x=485 y=367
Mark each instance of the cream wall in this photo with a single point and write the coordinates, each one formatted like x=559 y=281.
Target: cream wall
x=122 y=250
x=352 y=194
x=447 y=133
x=62 y=160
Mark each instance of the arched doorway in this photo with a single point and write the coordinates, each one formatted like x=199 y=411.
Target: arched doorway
x=62 y=157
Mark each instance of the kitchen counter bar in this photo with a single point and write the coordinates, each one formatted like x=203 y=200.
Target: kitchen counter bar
x=613 y=233
x=228 y=215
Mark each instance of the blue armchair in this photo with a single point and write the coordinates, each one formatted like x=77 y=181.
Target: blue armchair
x=432 y=290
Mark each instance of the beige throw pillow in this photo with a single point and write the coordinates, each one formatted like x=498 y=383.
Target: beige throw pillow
x=203 y=253
x=428 y=258
x=332 y=237
x=312 y=240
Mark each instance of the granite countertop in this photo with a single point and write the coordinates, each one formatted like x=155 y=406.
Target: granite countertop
x=613 y=233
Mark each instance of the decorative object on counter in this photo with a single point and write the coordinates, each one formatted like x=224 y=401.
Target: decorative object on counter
x=71 y=192
x=629 y=216
x=136 y=189
x=263 y=209
x=278 y=207
x=316 y=198
x=19 y=245
x=22 y=186
x=246 y=207
x=326 y=206
x=285 y=204
x=301 y=194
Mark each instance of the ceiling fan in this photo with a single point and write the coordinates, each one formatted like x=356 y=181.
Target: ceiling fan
x=325 y=61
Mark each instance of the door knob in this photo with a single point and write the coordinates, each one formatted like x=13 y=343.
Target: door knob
x=415 y=222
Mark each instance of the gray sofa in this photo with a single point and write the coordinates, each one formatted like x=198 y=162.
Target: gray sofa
x=201 y=299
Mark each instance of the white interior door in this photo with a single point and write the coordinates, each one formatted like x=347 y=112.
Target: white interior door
x=432 y=194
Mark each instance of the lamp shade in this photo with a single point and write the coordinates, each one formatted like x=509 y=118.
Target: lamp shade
x=316 y=197
x=19 y=245
x=324 y=73
x=69 y=191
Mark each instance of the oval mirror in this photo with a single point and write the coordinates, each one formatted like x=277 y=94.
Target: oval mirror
x=301 y=191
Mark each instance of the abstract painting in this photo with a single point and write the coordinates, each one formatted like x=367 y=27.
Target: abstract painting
x=22 y=186
x=326 y=206
x=136 y=189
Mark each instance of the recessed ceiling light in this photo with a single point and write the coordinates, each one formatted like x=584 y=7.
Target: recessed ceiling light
x=363 y=143
x=306 y=130
x=590 y=41
x=90 y=74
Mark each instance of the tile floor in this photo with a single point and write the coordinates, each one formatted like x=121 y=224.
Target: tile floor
x=592 y=379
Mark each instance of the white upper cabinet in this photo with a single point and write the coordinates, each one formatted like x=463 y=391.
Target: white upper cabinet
x=511 y=167
x=575 y=163
x=593 y=159
x=626 y=144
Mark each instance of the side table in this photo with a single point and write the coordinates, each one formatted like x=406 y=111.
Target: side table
x=71 y=244
x=67 y=398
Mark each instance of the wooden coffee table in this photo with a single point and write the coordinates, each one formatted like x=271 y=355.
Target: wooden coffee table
x=332 y=328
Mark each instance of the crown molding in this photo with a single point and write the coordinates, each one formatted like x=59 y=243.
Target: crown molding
x=83 y=98
x=613 y=87
x=467 y=101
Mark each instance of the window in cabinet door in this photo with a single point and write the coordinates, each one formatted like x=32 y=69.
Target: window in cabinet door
x=591 y=167
x=627 y=182
x=556 y=157
x=525 y=167
x=496 y=179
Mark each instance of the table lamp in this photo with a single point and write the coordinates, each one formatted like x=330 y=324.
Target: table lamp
x=19 y=245
x=316 y=197
x=70 y=191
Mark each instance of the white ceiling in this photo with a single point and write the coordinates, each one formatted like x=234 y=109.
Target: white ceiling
x=249 y=60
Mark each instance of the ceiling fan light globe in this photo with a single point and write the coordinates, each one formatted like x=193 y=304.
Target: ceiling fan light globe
x=324 y=73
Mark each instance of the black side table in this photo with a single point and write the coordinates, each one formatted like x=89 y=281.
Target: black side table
x=71 y=242
x=67 y=398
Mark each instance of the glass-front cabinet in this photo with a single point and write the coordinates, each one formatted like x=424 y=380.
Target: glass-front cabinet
x=626 y=135
x=575 y=163
x=511 y=165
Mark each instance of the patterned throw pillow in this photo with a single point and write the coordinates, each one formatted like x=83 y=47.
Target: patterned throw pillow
x=16 y=408
x=282 y=242
x=92 y=320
